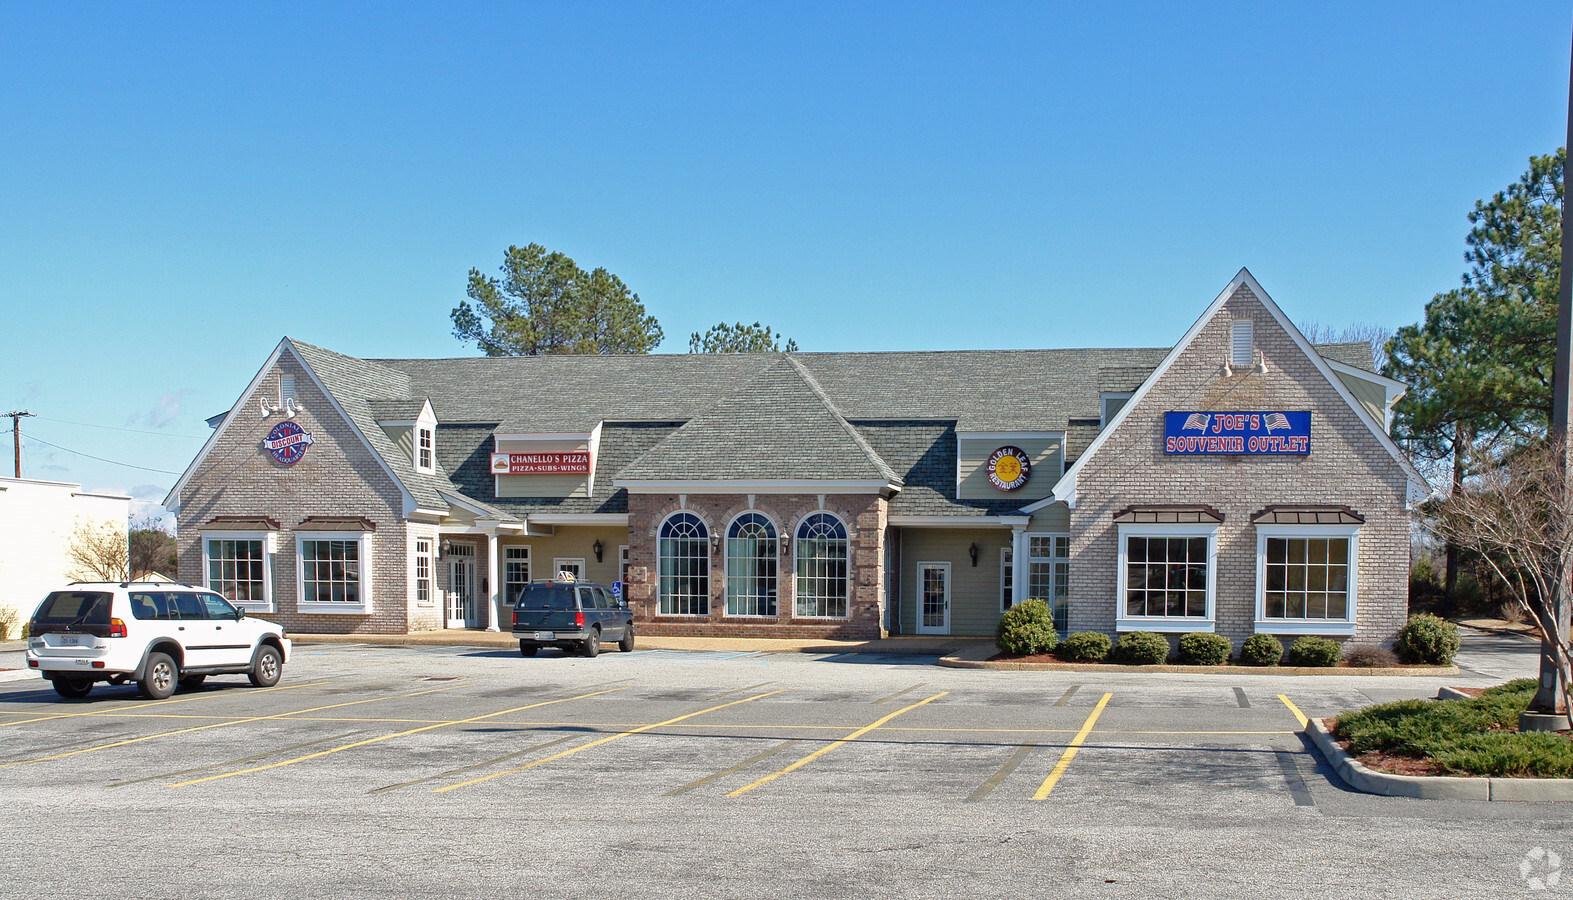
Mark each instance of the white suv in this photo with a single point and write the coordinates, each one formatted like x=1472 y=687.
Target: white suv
x=155 y=634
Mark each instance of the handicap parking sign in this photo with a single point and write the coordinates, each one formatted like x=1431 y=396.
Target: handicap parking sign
x=617 y=589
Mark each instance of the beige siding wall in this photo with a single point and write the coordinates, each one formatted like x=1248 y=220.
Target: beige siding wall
x=574 y=543
x=1371 y=396
x=1046 y=454
x=403 y=437
x=974 y=592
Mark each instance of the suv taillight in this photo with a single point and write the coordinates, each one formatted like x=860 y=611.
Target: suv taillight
x=117 y=628
x=578 y=618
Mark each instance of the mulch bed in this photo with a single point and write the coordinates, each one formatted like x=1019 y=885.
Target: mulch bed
x=1051 y=658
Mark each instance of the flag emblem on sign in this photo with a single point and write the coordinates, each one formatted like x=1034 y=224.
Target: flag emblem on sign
x=1199 y=420
x=1276 y=420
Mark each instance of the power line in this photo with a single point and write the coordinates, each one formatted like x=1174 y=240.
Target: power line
x=113 y=428
x=113 y=462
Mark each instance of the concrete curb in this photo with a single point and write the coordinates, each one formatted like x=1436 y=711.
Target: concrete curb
x=19 y=675
x=958 y=662
x=505 y=639
x=1433 y=787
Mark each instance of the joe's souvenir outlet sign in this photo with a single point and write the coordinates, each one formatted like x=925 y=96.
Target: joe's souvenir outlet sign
x=1237 y=433
x=573 y=462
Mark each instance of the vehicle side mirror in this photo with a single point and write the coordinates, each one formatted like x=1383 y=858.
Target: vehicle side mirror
x=239 y=614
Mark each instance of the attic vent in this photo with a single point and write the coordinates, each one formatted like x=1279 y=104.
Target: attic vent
x=1240 y=344
x=286 y=387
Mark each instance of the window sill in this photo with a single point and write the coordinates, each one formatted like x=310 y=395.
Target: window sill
x=253 y=607
x=1305 y=626
x=1164 y=625
x=334 y=609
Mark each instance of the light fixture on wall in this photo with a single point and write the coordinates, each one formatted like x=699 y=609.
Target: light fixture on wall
x=444 y=548
x=598 y=549
x=972 y=551
x=289 y=407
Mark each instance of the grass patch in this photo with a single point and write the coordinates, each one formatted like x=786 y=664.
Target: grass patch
x=1464 y=737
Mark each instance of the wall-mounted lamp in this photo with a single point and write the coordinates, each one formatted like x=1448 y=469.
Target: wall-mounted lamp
x=444 y=548
x=289 y=407
x=715 y=543
x=598 y=549
x=972 y=551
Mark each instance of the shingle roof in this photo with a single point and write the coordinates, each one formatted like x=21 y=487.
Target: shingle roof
x=764 y=416
x=777 y=425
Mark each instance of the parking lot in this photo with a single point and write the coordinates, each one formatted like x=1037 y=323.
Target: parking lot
x=466 y=772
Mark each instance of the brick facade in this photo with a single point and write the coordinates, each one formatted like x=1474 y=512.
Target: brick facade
x=338 y=476
x=1347 y=465
x=864 y=516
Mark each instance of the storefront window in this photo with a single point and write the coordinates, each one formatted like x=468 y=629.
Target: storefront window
x=684 y=559
x=331 y=567
x=516 y=573
x=1048 y=574
x=751 y=561
x=1306 y=579
x=1166 y=577
x=237 y=569
x=822 y=567
x=423 y=591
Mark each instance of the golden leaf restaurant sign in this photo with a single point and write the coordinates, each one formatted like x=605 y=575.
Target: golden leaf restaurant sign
x=1009 y=468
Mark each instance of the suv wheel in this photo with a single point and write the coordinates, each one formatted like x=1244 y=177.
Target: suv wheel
x=526 y=648
x=159 y=678
x=592 y=643
x=268 y=668
x=627 y=643
x=72 y=688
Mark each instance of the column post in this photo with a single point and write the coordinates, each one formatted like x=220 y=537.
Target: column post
x=493 y=578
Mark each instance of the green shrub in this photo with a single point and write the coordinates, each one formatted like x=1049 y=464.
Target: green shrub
x=1201 y=649
x=9 y=620
x=1472 y=737
x=1027 y=628
x=1141 y=648
x=1314 y=651
x=1261 y=650
x=1085 y=646
x=1369 y=657
x=1427 y=640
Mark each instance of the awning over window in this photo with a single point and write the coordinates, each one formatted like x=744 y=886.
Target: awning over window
x=1169 y=514
x=243 y=523
x=1307 y=515
x=337 y=523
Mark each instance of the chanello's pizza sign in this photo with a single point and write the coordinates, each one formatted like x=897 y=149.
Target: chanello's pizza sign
x=571 y=462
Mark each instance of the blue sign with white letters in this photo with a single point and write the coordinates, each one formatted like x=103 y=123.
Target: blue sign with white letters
x=1237 y=433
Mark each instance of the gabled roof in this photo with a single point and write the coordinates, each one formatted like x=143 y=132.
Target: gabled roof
x=1065 y=490
x=777 y=425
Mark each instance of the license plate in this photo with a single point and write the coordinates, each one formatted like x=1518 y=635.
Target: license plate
x=70 y=640
x=546 y=635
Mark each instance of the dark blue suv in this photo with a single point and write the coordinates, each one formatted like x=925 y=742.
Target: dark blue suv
x=571 y=615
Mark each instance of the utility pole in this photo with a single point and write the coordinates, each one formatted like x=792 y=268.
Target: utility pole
x=1548 y=710
x=16 y=436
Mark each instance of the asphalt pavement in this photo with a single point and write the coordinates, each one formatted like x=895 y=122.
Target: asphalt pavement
x=470 y=772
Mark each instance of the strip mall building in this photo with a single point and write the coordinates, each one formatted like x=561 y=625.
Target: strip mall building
x=1241 y=481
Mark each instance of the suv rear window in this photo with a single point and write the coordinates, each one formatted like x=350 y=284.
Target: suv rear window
x=75 y=608
x=547 y=597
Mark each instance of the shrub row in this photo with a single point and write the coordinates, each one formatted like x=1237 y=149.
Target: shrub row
x=1028 y=628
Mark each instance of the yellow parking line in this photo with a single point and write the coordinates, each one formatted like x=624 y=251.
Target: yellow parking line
x=241 y=721
x=105 y=712
x=1070 y=750
x=1294 y=709
x=386 y=737
x=605 y=740
x=829 y=747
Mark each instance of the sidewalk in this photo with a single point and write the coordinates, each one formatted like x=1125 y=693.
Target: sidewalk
x=938 y=645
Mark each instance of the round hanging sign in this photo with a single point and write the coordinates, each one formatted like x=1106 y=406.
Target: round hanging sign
x=1009 y=468
x=287 y=443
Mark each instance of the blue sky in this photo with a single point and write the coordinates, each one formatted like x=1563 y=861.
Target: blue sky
x=182 y=185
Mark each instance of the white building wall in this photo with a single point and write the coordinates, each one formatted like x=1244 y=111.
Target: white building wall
x=37 y=519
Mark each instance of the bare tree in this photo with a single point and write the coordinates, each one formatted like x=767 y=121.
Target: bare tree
x=97 y=552
x=1514 y=516
x=1358 y=333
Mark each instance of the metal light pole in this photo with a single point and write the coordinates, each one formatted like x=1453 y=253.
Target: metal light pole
x=1548 y=710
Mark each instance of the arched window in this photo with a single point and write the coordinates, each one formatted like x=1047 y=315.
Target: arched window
x=685 y=566
x=822 y=567
x=751 y=553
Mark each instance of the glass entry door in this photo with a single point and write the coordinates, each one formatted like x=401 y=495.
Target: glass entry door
x=934 y=598
x=463 y=611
